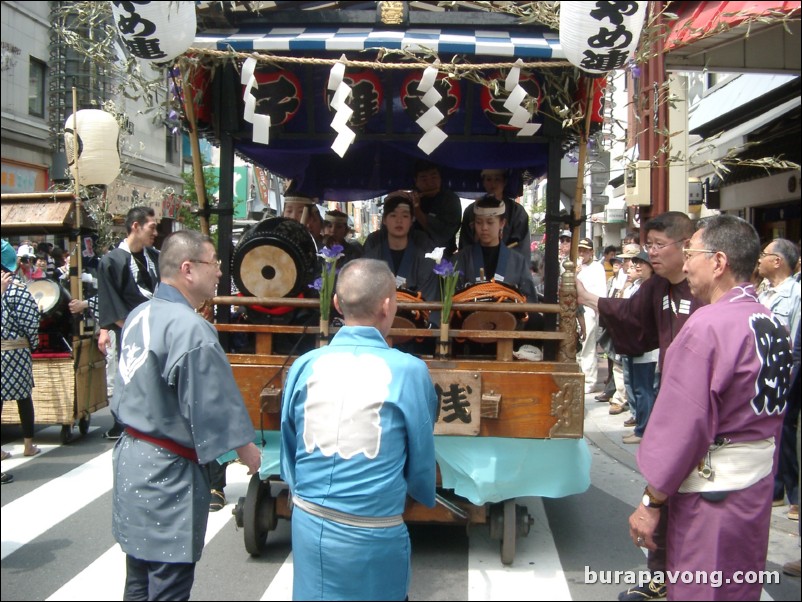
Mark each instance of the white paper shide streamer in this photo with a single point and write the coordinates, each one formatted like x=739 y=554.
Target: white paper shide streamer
x=514 y=103
x=342 y=112
x=433 y=136
x=261 y=123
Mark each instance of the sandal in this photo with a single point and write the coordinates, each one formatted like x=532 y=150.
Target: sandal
x=35 y=450
x=218 y=501
x=6 y=455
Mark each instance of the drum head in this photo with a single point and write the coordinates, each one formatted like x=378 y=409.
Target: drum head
x=276 y=258
x=46 y=293
x=402 y=322
x=489 y=320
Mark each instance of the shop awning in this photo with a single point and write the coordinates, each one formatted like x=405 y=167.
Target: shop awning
x=734 y=35
x=40 y=212
x=480 y=42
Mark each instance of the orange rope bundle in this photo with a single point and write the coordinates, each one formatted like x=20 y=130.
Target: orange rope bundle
x=490 y=291
x=405 y=296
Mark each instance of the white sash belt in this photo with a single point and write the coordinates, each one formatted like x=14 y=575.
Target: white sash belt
x=734 y=466
x=374 y=522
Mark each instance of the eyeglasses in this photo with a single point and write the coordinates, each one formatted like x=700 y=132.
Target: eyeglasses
x=653 y=246
x=215 y=262
x=688 y=253
x=762 y=255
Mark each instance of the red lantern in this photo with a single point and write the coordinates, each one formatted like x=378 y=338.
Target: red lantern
x=412 y=101
x=493 y=104
x=278 y=95
x=597 y=106
x=366 y=97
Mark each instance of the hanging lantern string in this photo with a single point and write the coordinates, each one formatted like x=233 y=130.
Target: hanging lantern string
x=454 y=68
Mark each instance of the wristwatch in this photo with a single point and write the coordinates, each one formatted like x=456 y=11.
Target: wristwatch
x=650 y=501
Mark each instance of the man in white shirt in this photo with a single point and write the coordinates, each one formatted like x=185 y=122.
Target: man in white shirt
x=591 y=274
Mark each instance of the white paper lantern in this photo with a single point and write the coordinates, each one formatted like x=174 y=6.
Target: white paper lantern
x=155 y=31
x=97 y=158
x=599 y=37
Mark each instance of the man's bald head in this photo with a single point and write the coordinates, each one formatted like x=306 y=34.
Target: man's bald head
x=362 y=287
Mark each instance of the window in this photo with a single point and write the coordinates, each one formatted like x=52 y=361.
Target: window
x=36 y=87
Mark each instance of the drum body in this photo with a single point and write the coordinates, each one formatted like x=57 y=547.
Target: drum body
x=55 y=325
x=488 y=292
x=275 y=258
x=409 y=318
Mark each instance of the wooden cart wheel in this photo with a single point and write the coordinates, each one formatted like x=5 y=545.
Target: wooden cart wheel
x=509 y=532
x=258 y=515
x=83 y=424
x=66 y=433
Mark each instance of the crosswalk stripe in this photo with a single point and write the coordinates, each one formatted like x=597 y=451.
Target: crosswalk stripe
x=280 y=589
x=536 y=573
x=110 y=567
x=17 y=450
x=56 y=500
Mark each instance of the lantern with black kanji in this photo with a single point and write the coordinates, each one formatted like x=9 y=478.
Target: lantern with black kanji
x=412 y=99
x=599 y=37
x=93 y=155
x=155 y=31
x=366 y=97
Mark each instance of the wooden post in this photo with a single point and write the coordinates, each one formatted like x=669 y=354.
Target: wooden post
x=76 y=258
x=580 y=170
x=197 y=164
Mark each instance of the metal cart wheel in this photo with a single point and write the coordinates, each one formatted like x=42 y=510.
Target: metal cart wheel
x=66 y=433
x=83 y=423
x=258 y=515
x=509 y=531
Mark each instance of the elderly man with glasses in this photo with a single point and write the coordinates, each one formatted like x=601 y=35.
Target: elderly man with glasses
x=652 y=318
x=708 y=451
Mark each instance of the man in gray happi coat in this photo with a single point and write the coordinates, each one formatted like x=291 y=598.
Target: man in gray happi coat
x=177 y=398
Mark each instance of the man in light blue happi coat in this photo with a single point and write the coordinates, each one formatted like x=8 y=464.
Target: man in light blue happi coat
x=357 y=437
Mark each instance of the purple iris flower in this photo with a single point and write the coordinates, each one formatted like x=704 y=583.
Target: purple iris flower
x=444 y=268
x=317 y=284
x=331 y=253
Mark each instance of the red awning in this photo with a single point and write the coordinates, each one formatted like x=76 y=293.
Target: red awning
x=698 y=20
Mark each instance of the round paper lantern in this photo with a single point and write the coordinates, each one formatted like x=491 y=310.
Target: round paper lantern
x=155 y=31
x=599 y=37
x=96 y=156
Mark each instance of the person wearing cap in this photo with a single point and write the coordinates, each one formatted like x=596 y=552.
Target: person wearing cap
x=516 y=233
x=404 y=249
x=26 y=258
x=640 y=369
x=488 y=258
x=20 y=335
x=591 y=273
x=335 y=232
x=653 y=317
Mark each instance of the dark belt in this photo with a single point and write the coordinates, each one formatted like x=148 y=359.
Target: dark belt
x=176 y=448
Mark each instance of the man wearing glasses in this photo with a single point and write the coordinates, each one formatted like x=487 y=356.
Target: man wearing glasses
x=181 y=407
x=710 y=445
x=651 y=319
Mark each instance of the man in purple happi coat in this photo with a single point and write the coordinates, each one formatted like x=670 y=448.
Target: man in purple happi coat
x=709 y=449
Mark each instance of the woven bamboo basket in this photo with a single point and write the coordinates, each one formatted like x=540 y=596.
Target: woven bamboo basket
x=56 y=398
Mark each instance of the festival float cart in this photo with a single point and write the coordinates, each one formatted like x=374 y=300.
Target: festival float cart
x=68 y=369
x=342 y=102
